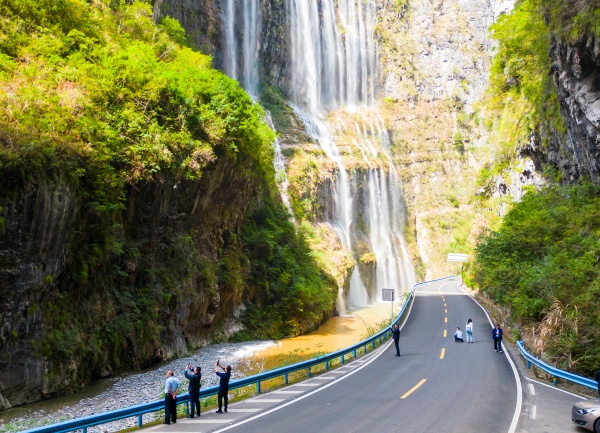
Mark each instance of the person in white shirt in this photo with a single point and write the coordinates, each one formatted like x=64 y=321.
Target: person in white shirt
x=469 y=329
x=458 y=336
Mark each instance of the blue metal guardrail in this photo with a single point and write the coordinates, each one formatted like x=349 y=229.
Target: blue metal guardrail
x=139 y=410
x=555 y=372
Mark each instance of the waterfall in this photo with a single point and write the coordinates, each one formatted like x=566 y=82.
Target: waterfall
x=249 y=78
x=333 y=64
x=247 y=74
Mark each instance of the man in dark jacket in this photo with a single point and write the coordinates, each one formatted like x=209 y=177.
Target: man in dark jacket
x=497 y=336
x=225 y=375
x=194 y=376
x=396 y=336
x=597 y=377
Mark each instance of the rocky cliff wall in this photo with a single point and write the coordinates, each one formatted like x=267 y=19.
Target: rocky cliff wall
x=576 y=74
x=151 y=295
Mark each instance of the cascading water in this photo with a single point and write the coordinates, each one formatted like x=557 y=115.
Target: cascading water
x=249 y=71
x=333 y=65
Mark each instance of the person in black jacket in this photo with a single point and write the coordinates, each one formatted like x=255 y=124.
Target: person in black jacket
x=497 y=336
x=396 y=336
x=597 y=378
x=194 y=376
x=223 y=385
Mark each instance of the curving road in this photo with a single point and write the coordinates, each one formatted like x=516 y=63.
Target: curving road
x=436 y=385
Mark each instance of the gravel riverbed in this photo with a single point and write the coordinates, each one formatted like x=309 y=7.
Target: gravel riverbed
x=137 y=388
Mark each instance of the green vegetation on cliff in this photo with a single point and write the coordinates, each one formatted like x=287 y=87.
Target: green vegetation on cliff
x=288 y=289
x=521 y=98
x=139 y=133
x=543 y=264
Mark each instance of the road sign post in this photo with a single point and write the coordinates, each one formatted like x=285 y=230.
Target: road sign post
x=389 y=295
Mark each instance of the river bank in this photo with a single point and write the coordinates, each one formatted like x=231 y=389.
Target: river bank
x=246 y=359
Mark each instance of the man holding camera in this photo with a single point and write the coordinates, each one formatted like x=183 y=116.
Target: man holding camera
x=194 y=376
x=223 y=385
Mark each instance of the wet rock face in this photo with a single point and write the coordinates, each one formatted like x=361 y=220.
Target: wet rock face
x=576 y=74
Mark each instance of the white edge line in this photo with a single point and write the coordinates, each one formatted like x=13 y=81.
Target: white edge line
x=519 y=405
x=556 y=388
x=380 y=350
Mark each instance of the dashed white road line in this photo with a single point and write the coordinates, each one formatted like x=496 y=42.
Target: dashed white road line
x=265 y=400
x=531 y=388
x=235 y=410
x=532 y=412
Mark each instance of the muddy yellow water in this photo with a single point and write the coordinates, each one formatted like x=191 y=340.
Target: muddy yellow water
x=335 y=334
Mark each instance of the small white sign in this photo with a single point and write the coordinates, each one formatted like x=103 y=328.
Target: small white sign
x=387 y=295
x=457 y=257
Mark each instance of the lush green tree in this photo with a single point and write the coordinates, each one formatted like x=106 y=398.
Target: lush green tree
x=544 y=258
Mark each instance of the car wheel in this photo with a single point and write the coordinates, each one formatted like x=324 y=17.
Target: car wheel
x=597 y=426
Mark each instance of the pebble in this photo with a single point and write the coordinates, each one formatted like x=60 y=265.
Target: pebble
x=146 y=387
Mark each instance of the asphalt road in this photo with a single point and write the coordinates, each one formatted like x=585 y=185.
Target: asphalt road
x=436 y=385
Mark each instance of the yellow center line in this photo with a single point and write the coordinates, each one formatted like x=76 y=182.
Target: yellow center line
x=442 y=354
x=445 y=320
x=446 y=311
x=445 y=304
x=414 y=388
x=445 y=332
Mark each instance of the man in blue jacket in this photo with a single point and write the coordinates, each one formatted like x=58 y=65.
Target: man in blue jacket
x=497 y=336
x=194 y=376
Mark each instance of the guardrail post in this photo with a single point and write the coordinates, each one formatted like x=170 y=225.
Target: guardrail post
x=140 y=421
x=354 y=353
x=84 y=430
x=308 y=371
x=327 y=365
x=258 y=387
x=343 y=360
x=373 y=344
x=285 y=377
x=528 y=364
x=554 y=380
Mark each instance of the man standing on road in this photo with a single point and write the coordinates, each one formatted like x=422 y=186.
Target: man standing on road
x=223 y=385
x=597 y=377
x=497 y=336
x=171 y=388
x=194 y=388
x=396 y=336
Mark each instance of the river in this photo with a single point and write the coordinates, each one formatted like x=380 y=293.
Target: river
x=246 y=358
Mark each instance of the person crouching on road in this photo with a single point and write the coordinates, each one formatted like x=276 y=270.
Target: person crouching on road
x=458 y=336
x=223 y=386
x=171 y=388
x=194 y=376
